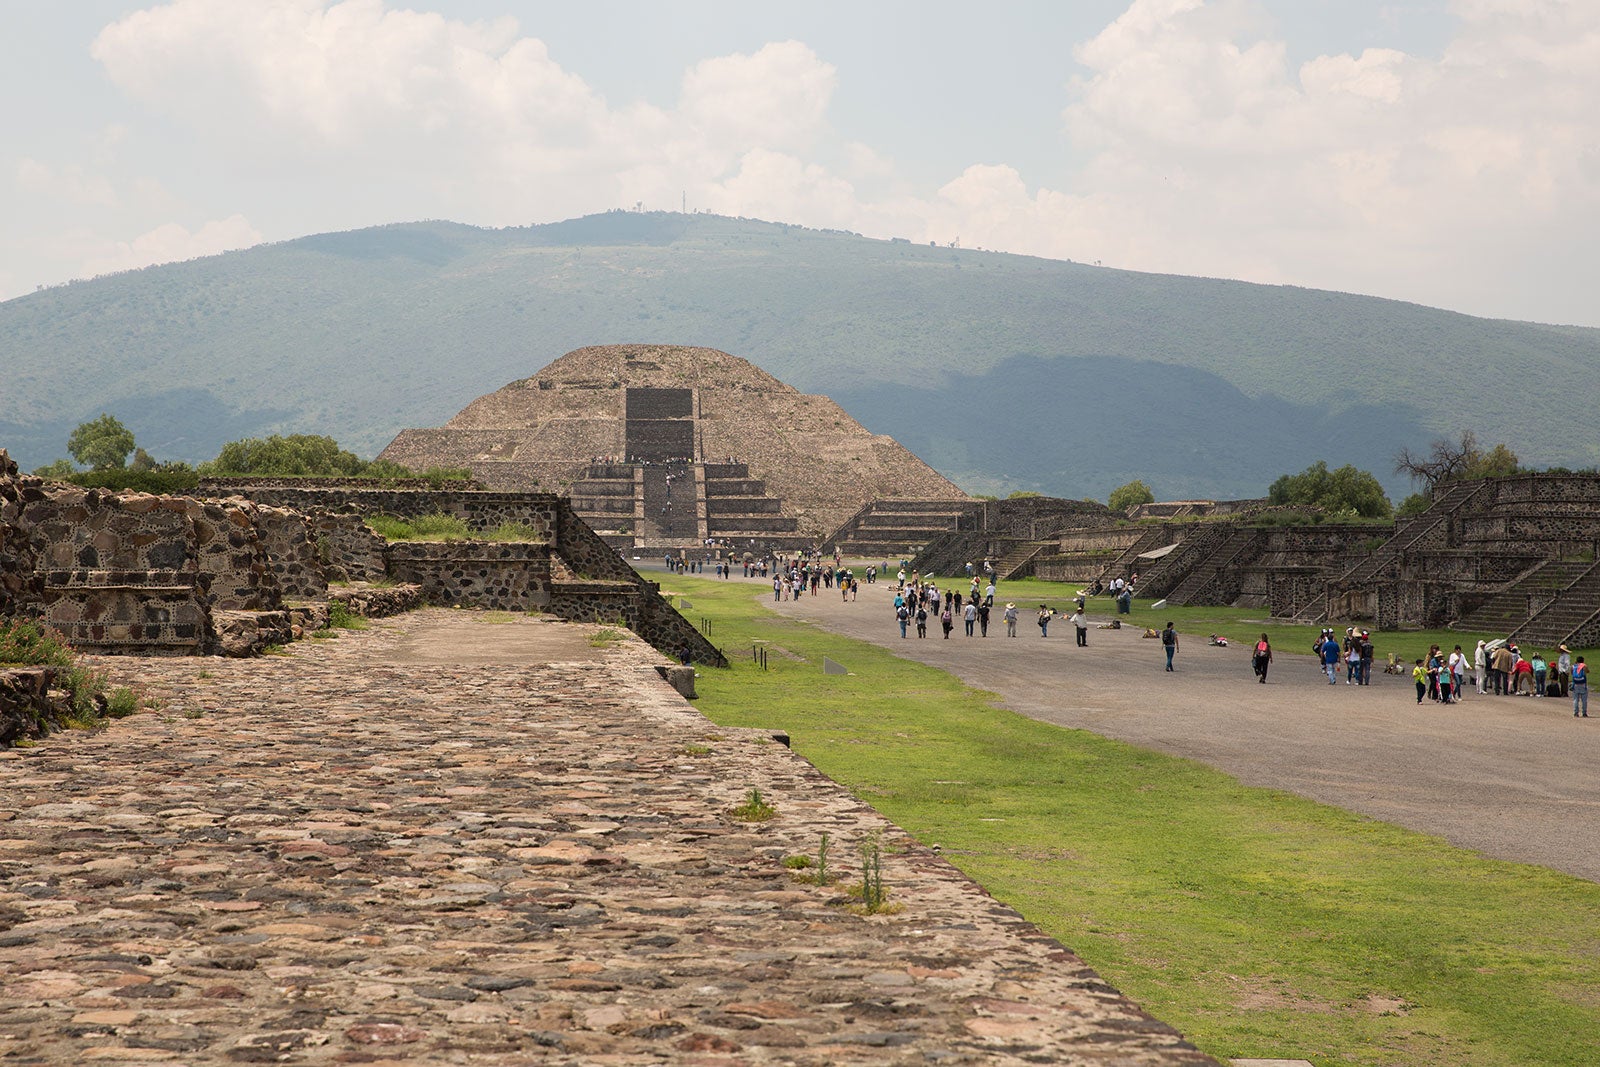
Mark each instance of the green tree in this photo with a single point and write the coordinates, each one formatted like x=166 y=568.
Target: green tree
x=142 y=461
x=1126 y=496
x=1415 y=504
x=57 y=470
x=1346 y=491
x=101 y=443
x=296 y=454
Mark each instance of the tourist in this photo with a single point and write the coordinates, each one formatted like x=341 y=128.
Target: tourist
x=1352 y=662
x=1480 y=663
x=983 y=619
x=922 y=620
x=1366 y=658
x=969 y=615
x=1010 y=615
x=1501 y=663
x=902 y=613
x=1457 y=664
x=1580 y=688
x=988 y=594
x=947 y=621
x=1419 y=674
x=1523 y=674
x=1080 y=622
x=1262 y=659
x=1169 y=641
x=777 y=589
x=1564 y=668
x=1330 y=658
x=1045 y=615
x=1446 y=682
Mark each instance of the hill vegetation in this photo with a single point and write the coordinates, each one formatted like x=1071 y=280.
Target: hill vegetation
x=1004 y=372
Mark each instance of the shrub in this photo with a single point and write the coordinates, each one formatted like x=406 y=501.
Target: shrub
x=755 y=808
x=28 y=644
x=174 y=480
x=516 y=531
x=342 y=618
x=390 y=528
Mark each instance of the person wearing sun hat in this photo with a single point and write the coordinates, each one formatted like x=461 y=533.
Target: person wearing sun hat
x=1010 y=615
x=1564 y=669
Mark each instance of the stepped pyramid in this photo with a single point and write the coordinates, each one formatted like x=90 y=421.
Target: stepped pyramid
x=751 y=459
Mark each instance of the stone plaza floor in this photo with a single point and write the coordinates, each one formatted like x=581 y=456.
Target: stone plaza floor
x=468 y=839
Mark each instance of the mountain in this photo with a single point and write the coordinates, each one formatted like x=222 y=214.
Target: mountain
x=1002 y=371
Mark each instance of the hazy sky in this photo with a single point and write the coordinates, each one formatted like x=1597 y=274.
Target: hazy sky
x=1442 y=152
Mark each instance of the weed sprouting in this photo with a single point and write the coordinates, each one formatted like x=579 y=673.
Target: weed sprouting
x=755 y=808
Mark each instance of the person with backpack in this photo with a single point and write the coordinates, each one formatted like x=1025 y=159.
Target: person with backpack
x=922 y=619
x=1045 y=615
x=947 y=621
x=1262 y=659
x=902 y=613
x=1169 y=641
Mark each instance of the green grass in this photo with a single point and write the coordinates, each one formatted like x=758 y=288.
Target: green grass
x=1259 y=923
x=449 y=528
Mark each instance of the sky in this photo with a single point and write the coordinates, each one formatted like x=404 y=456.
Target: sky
x=1445 y=152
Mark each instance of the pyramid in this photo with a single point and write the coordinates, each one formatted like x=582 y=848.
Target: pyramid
x=750 y=457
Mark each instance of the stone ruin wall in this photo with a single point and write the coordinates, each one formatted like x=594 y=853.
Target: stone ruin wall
x=498 y=576
x=155 y=573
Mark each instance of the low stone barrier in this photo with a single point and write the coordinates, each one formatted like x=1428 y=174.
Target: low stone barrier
x=29 y=707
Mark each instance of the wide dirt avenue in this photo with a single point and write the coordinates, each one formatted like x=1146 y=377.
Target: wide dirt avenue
x=1513 y=777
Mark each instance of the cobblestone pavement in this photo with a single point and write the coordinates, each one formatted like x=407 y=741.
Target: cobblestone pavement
x=447 y=840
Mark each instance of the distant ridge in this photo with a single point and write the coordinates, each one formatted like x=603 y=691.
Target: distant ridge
x=1002 y=371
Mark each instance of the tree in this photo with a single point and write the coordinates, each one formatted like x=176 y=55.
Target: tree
x=1451 y=461
x=56 y=471
x=1126 y=496
x=142 y=461
x=296 y=454
x=101 y=443
x=1344 y=491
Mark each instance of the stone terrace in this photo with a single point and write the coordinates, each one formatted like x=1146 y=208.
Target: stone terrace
x=455 y=840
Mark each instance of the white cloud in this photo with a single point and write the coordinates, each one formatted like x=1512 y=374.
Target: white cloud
x=1470 y=179
x=169 y=243
x=72 y=184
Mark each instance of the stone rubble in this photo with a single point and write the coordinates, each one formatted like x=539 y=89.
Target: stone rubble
x=358 y=853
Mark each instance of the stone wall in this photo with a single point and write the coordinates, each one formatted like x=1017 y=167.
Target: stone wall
x=292 y=552
x=349 y=549
x=30 y=705
x=498 y=575
x=481 y=510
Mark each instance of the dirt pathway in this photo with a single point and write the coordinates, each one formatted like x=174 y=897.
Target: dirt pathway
x=1514 y=777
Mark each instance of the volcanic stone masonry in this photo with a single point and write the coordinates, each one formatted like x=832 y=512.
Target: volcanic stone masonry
x=136 y=573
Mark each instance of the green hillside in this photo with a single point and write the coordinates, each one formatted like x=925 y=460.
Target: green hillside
x=1003 y=371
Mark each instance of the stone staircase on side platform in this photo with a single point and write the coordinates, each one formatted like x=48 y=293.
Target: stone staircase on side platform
x=1523 y=597
x=1239 y=547
x=1572 y=617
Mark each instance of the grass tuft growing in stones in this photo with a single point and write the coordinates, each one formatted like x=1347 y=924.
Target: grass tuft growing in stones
x=755 y=808
x=605 y=637
x=340 y=617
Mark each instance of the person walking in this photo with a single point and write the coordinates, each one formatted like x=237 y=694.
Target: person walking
x=1419 y=674
x=922 y=620
x=1262 y=659
x=1010 y=615
x=1169 y=641
x=983 y=620
x=1330 y=659
x=947 y=621
x=902 y=613
x=1580 y=688
x=1080 y=621
x=1480 y=663
x=1045 y=615
x=969 y=616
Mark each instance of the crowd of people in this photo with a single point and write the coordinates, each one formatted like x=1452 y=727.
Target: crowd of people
x=1494 y=668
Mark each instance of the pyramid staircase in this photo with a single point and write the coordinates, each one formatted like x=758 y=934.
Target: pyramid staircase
x=1571 y=617
x=1018 y=560
x=1438 y=515
x=1523 y=597
x=896 y=528
x=1175 y=566
x=1205 y=583
x=1149 y=541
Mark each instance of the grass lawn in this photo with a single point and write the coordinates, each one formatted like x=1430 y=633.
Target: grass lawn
x=1259 y=923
